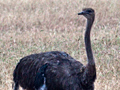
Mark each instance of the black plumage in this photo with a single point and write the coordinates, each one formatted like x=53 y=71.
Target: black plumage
x=40 y=79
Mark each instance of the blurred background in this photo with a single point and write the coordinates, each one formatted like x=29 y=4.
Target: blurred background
x=34 y=26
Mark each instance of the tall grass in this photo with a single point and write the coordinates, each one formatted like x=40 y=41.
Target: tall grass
x=34 y=26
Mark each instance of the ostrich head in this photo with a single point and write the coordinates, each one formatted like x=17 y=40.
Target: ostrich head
x=89 y=13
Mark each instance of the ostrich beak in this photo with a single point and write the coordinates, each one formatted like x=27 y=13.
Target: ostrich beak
x=82 y=13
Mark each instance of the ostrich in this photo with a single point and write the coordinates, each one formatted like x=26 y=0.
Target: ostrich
x=61 y=71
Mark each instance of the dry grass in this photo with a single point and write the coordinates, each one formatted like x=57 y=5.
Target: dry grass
x=33 y=26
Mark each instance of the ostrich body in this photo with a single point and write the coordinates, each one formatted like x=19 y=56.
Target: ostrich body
x=63 y=72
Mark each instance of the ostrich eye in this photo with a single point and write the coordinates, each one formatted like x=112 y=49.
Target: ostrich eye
x=89 y=11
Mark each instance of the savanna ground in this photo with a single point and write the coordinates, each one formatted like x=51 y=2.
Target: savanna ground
x=33 y=26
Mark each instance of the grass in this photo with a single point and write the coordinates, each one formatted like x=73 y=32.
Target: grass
x=34 y=26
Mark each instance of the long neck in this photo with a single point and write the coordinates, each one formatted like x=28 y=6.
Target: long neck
x=89 y=74
x=88 y=42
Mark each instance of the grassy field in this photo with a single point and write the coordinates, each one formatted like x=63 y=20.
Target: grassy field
x=34 y=26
